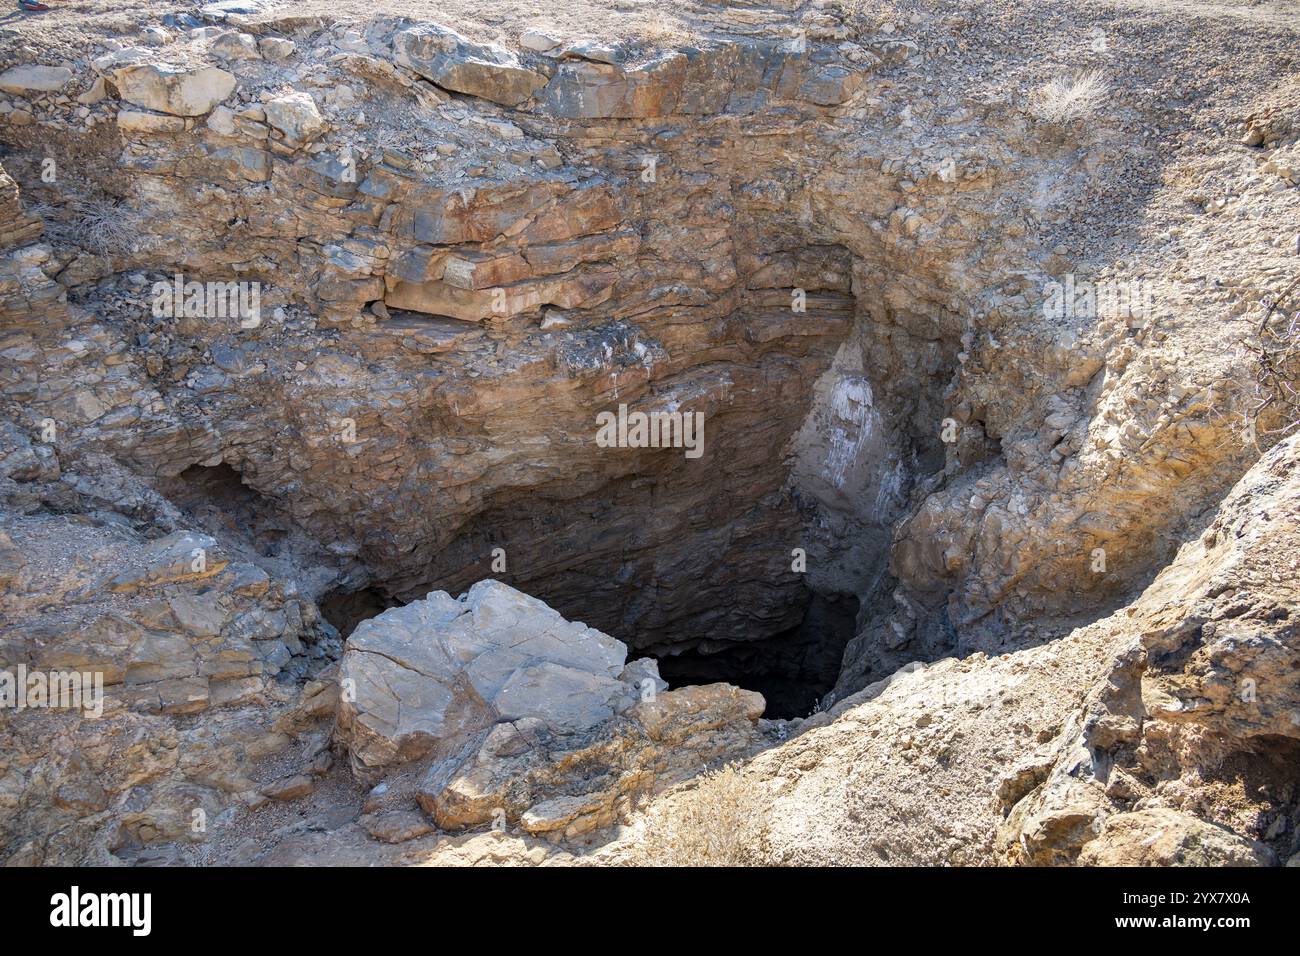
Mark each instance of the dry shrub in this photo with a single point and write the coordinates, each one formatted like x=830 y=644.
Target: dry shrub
x=720 y=822
x=1276 y=380
x=1066 y=99
x=100 y=226
x=665 y=29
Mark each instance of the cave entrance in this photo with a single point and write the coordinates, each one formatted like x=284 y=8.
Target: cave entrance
x=346 y=609
x=217 y=499
x=792 y=670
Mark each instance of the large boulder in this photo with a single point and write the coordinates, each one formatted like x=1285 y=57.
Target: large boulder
x=30 y=78
x=456 y=63
x=1159 y=836
x=178 y=90
x=421 y=680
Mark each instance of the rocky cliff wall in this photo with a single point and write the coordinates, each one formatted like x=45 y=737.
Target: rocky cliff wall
x=836 y=242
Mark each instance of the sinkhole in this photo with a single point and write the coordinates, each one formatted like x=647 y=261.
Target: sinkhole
x=709 y=594
x=792 y=667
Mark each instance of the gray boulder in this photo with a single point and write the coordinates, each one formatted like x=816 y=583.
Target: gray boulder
x=178 y=90
x=456 y=63
x=421 y=680
x=29 y=78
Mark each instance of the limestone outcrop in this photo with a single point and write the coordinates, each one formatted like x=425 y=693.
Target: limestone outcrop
x=563 y=785
x=421 y=679
x=1199 y=715
x=491 y=709
x=174 y=650
x=451 y=61
x=1159 y=735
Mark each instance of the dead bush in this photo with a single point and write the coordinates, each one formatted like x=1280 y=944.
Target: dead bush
x=720 y=822
x=1276 y=382
x=101 y=226
x=1065 y=99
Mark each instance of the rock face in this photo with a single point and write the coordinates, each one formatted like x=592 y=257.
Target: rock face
x=557 y=260
x=455 y=63
x=1162 y=837
x=407 y=273
x=1199 y=708
x=1161 y=735
x=465 y=707
x=514 y=775
x=549 y=293
x=421 y=679
x=176 y=648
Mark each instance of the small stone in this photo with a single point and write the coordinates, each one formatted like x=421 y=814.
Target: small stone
x=234 y=45
x=296 y=116
x=98 y=90
x=594 y=51
x=137 y=121
x=222 y=121
x=275 y=48
x=537 y=41
x=557 y=813
x=353 y=42
x=396 y=826
x=290 y=788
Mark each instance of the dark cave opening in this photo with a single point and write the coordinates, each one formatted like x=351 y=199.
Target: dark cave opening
x=792 y=670
x=222 y=504
x=219 y=486
x=346 y=609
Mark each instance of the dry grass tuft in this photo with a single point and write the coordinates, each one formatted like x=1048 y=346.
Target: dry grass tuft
x=103 y=227
x=1066 y=99
x=721 y=822
x=665 y=30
